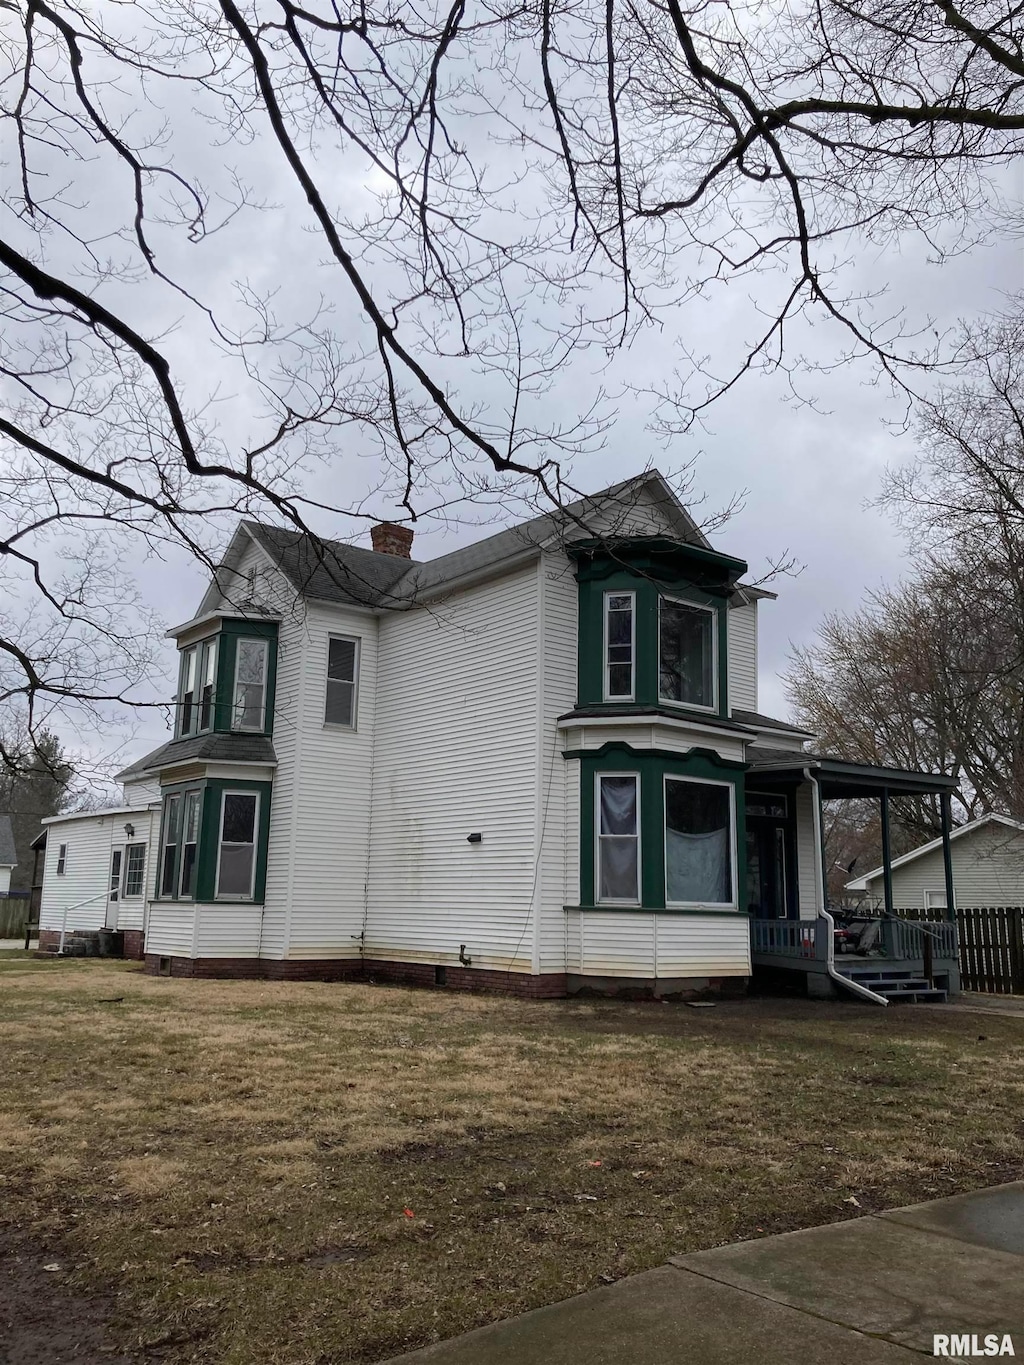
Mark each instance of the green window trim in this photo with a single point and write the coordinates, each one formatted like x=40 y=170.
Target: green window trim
x=204 y=873
x=647 y=593
x=652 y=766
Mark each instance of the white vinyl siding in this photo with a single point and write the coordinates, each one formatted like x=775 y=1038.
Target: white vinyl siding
x=742 y=627
x=652 y=946
x=457 y=753
x=91 y=840
x=559 y=779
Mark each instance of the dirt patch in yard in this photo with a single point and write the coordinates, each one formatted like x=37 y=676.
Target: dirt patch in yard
x=252 y=1173
x=43 y=1320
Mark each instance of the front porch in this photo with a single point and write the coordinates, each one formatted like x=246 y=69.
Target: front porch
x=877 y=955
x=911 y=961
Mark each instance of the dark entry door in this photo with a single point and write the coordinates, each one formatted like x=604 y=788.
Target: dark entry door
x=771 y=861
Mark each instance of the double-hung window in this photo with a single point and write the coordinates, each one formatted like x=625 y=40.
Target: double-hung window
x=207 y=680
x=342 y=681
x=236 y=854
x=687 y=655
x=169 y=848
x=618 y=838
x=249 y=710
x=189 y=711
x=189 y=844
x=135 y=869
x=619 y=645
x=195 y=697
x=700 y=823
x=62 y=860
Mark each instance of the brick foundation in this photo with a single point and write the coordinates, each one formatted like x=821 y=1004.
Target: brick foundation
x=134 y=944
x=550 y=986
x=664 y=988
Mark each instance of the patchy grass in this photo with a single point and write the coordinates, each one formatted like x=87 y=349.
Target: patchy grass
x=284 y=1174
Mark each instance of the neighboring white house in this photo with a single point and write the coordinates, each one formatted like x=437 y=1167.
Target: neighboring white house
x=988 y=869
x=534 y=764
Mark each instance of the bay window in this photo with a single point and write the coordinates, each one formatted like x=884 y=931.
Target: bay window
x=687 y=653
x=249 y=709
x=618 y=838
x=236 y=852
x=700 y=823
x=619 y=645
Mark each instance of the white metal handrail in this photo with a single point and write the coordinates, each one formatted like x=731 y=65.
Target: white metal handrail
x=67 y=911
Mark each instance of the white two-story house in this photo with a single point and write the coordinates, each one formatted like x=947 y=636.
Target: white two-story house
x=535 y=764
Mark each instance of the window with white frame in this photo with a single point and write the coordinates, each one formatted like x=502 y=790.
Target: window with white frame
x=619 y=645
x=700 y=824
x=207 y=678
x=618 y=838
x=134 y=869
x=189 y=844
x=687 y=653
x=342 y=681
x=169 y=846
x=249 y=710
x=62 y=860
x=187 y=693
x=236 y=853
x=935 y=900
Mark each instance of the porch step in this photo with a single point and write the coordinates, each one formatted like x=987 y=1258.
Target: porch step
x=899 y=988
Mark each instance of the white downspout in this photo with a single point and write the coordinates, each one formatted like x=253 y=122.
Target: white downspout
x=819 y=884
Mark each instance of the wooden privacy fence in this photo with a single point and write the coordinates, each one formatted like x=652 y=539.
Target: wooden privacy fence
x=991 y=946
x=13 y=913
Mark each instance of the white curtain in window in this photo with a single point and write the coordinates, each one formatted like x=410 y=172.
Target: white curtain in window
x=697 y=867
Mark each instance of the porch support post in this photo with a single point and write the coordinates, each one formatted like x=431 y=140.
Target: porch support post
x=821 y=845
x=886 y=853
x=946 y=807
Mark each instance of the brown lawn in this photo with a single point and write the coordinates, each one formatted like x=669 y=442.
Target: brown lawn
x=254 y=1173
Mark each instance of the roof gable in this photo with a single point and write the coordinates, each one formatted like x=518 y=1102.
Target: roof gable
x=962 y=832
x=333 y=571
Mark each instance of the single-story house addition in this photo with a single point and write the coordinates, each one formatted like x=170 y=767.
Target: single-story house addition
x=988 y=869
x=535 y=764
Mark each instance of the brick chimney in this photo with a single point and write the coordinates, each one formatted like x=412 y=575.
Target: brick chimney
x=388 y=538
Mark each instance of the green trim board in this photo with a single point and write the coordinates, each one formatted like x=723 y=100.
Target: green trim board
x=212 y=790
x=652 y=765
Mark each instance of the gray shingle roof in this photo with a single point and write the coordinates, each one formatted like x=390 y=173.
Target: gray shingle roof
x=769 y=722
x=333 y=572
x=8 y=854
x=213 y=748
x=337 y=572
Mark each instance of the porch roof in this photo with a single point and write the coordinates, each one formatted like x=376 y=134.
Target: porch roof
x=840 y=778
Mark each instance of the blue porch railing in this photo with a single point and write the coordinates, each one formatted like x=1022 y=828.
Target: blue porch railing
x=900 y=940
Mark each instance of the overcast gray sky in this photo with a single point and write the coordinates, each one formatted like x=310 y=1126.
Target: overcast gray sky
x=810 y=470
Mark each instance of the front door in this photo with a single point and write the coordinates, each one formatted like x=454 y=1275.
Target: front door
x=771 y=865
x=113 y=899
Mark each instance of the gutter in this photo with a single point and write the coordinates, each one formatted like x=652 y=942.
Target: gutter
x=830 y=951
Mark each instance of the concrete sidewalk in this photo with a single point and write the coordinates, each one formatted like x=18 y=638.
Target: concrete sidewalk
x=875 y=1289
